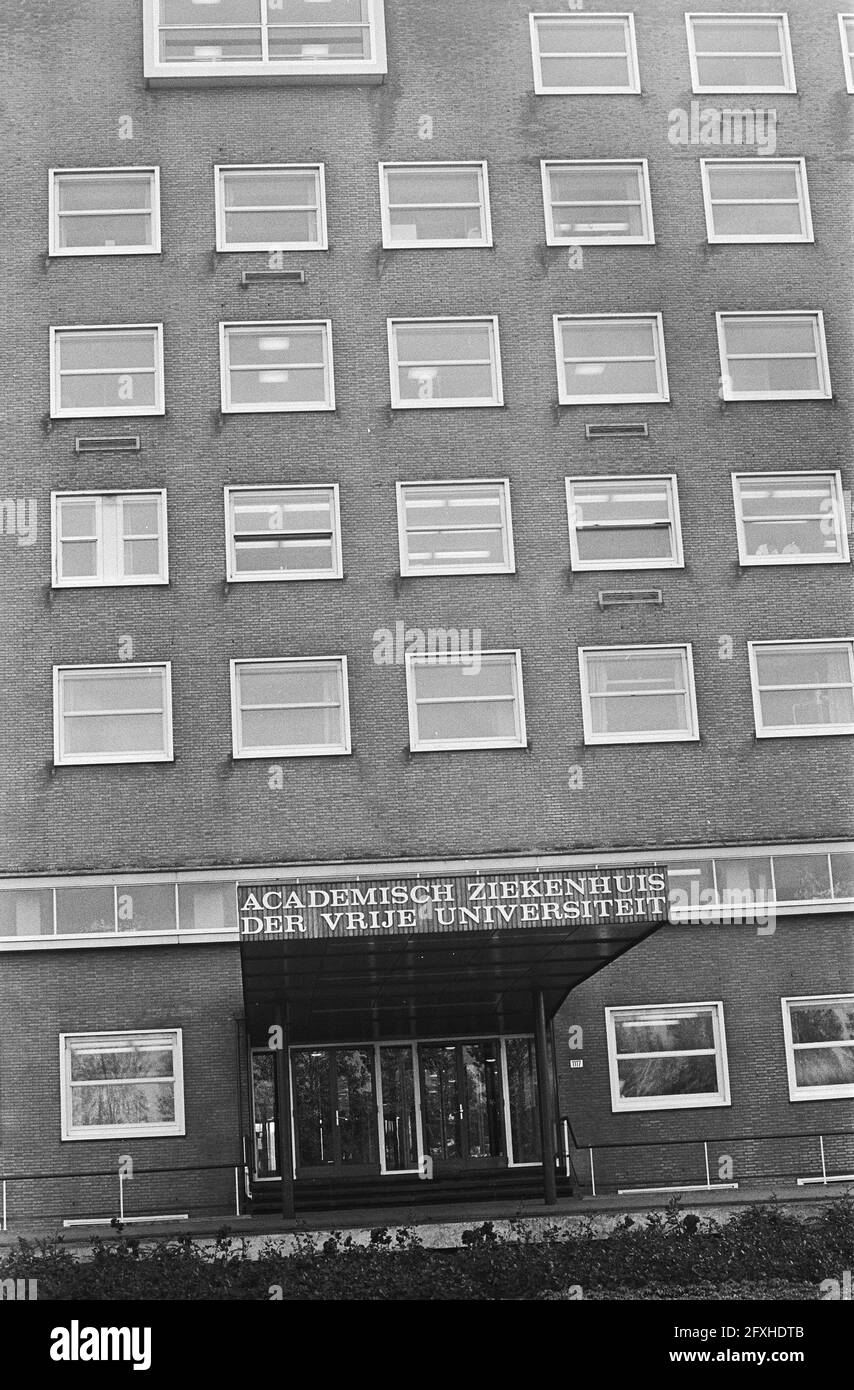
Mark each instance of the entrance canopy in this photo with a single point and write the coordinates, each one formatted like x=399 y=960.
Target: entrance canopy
x=449 y=955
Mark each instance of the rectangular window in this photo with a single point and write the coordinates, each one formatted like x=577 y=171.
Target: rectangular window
x=638 y=694
x=790 y=518
x=597 y=202
x=107 y=370
x=801 y=689
x=276 y=366
x=819 y=1035
x=455 y=528
x=233 y=40
x=576 y=53
x=122 y=1085
x=624 y=523
x=846 y=30
x=740 y=53
x=431 y=204
x=756 y=200
x=283 y=532
x=773 y=357
x=470 y=699
x=291 y=708
x=104 y=212
x=667 y=1057
x=270 y=207
x=610 y=358
x=105 y=538
x=444 y=362
x=112 y=714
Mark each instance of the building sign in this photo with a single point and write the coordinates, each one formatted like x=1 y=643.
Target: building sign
x=553 y=899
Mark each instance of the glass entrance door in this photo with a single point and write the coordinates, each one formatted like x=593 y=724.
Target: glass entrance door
x=462 y=1104
x=335 y=1112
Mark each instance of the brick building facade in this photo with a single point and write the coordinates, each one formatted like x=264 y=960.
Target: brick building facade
x=108 y=86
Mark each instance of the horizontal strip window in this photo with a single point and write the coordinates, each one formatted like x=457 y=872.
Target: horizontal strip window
x=590 y=202
x=574 y=53
x=846 y=33
x=610 y=359
x=435 y=205
x=802 y=689
x=624 y=523
x=109 y=538
x=819 y=1036
x=104 y=212
x=294 y=708
x=112 y=714
x=121 y=1085
x=756 y=200
x=790 y=518
x=638 y=694
x=108 y=370
x=283 y=533
x=435 y=363
x=138 y=905
x=277 y=366
x=270 y=207
x=455 y=528
x=230 y=39
x=740 y=53
x=773 y=357
x=469 y=699
x=667 y=1057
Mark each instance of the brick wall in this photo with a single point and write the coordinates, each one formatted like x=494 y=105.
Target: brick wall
x=73 y=72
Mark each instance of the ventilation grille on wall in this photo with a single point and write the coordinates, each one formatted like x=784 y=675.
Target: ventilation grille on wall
x=611 y=598
x=259 y=277
x=107 y=443
x=636 y=430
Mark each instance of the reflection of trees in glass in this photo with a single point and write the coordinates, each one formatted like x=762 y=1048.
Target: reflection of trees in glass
x=641 y=1035
x=830 y=1022
x=123 y=1084
x=524 y=1114
x=668 y=1076
x=843 y=875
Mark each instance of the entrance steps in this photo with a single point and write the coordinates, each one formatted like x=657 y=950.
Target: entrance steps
x=407 y=1189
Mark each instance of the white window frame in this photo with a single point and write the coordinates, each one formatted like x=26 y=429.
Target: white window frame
x=652 y=736
x=101 y=580
x=121 y=171
x=122 y=1131
x=226 y=246
x=797 y=730
x=847 y=49
x=502 y=486
x=816 y=315
x=126 y=409
x=320 y=68
x=789 y=84
x=662 y=396
x=274 y=326
x=61 y=759
x=443 y=403
x=232 y=574
x=676 y=559
x=641 y=166
x=756 y=238
x=419 y=745
x=299 y=751
x=620 y=1104
x=392 y=243
x=796 y=1092
x=541 y=89
x=838 y=515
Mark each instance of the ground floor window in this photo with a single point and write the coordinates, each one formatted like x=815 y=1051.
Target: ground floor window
x=401 y=1107
x=121 y=1085
x=667 y=1056
x=819 y=1035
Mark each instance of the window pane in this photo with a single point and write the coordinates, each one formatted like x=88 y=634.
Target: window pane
x=796 y=515
x=291 y=706
x=227 y=12
x=85 y=910
x=799 y=877
x=148 y=1103
x=597 y=201
x=670 y=1076
x=666 y=1032
x=453 y=680
x=26 y=912
x=96 y=691
x=824 y=1066
x=115 y=351
x=136 y=733
x=744 y=880
x=489 y=719
x=455 y=527
x=146 y=907
x=843 y=874
x=289 y=685
x=270 y=188
x=115 y=230
x=823 y=1020
x=426 y=186
x=207 y=906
